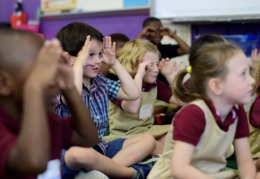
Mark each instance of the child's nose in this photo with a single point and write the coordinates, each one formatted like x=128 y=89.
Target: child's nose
x=97 y=60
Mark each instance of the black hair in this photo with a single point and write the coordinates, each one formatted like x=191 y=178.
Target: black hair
x=16 y=46
x=73 y=36
x=203 y=40
x=118 y=37
x=149 y=20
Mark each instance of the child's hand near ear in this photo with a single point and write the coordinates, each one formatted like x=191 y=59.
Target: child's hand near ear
x=109 y=51
x=166 y=70
x=142 y=69
x=84 y=53
x=148 y=30
x=165 y=67
x=167 y=31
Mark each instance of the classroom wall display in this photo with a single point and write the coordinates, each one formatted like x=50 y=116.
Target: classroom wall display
x=184 y=32
x=205 y=10
x=54 y=5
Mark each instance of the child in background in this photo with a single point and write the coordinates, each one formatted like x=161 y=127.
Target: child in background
x=131 y=118
x=154 y=31
x=32 y=73
x=212 y=120
x=120 y=40
x=115 y=157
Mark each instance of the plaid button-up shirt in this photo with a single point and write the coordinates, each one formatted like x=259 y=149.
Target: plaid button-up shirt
x=102 y=89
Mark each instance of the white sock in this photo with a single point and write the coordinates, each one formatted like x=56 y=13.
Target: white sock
x=135 y=173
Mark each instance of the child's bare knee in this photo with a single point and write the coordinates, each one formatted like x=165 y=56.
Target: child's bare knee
x=149 y=140
x=82 y=156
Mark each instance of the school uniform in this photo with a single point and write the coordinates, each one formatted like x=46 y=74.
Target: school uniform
x=199 y=125
x=124 y=125
x=96 y=99
x=254 y=127
x=60 y=136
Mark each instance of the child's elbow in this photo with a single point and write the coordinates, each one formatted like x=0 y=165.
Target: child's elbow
x=135 y=95
x=37 y=165
x=132 y=110
x=175 y=171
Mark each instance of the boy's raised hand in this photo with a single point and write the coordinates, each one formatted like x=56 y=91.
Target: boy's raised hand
x=109 y=51
x=165 y=67
x=83 y=54
x=46 y=64
x=148 y=30
x=166 y=31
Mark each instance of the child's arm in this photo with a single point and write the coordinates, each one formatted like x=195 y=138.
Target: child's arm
x=180 y=164
x=183 y=47
x=246 y=167
x=31 y=151
x=166 y=70
x=253 y=63
x=78 y=67
x=85 y=132
x=128 y=90
x=133 y=106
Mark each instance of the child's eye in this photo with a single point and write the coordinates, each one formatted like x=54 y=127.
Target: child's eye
x=243 y=74
x=157 y=64
x=91 y=54
x=100 y=54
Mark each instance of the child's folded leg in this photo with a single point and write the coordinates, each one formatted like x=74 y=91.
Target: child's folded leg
x=135 y=149
x=77 y=158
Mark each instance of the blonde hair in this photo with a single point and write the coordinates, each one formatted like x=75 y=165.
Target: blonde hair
x=257 y=78
x=132 y=54
x=208 y=62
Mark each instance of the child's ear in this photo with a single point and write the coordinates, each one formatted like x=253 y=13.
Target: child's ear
x=5 y=86
x=215 y=86
x=69 y=58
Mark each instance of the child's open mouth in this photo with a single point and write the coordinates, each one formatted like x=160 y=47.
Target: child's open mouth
x=95 y=70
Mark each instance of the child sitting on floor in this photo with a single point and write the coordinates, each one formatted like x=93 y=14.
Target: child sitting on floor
x=32 y=73
x=212 y=120
x=115 y=157
x=131 y=118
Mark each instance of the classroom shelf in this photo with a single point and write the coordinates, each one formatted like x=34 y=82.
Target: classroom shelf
x=113 y=12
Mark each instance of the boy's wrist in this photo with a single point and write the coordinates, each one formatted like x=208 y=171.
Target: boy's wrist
x=115 y=64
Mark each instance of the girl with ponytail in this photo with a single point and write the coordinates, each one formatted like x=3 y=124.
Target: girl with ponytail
x=202 y=132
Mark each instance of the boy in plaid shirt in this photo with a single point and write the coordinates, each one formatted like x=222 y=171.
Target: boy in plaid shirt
x=115 y=157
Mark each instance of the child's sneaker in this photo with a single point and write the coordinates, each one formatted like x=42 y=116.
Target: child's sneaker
x=143 y=170
x=93 y=174
x=149 y=160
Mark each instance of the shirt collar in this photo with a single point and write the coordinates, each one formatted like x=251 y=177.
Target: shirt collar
x=231 y=117
x=96 y=82
x=148 y=86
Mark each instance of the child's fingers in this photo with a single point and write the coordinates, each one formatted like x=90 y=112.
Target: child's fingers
x=114 y=47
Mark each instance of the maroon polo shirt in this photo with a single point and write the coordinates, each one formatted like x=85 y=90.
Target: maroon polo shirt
x=60 y=133
x=164 y=92
x=190 y=122
x=255 y=113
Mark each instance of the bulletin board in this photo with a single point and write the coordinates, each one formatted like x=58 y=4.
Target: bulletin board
x=54 y=5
